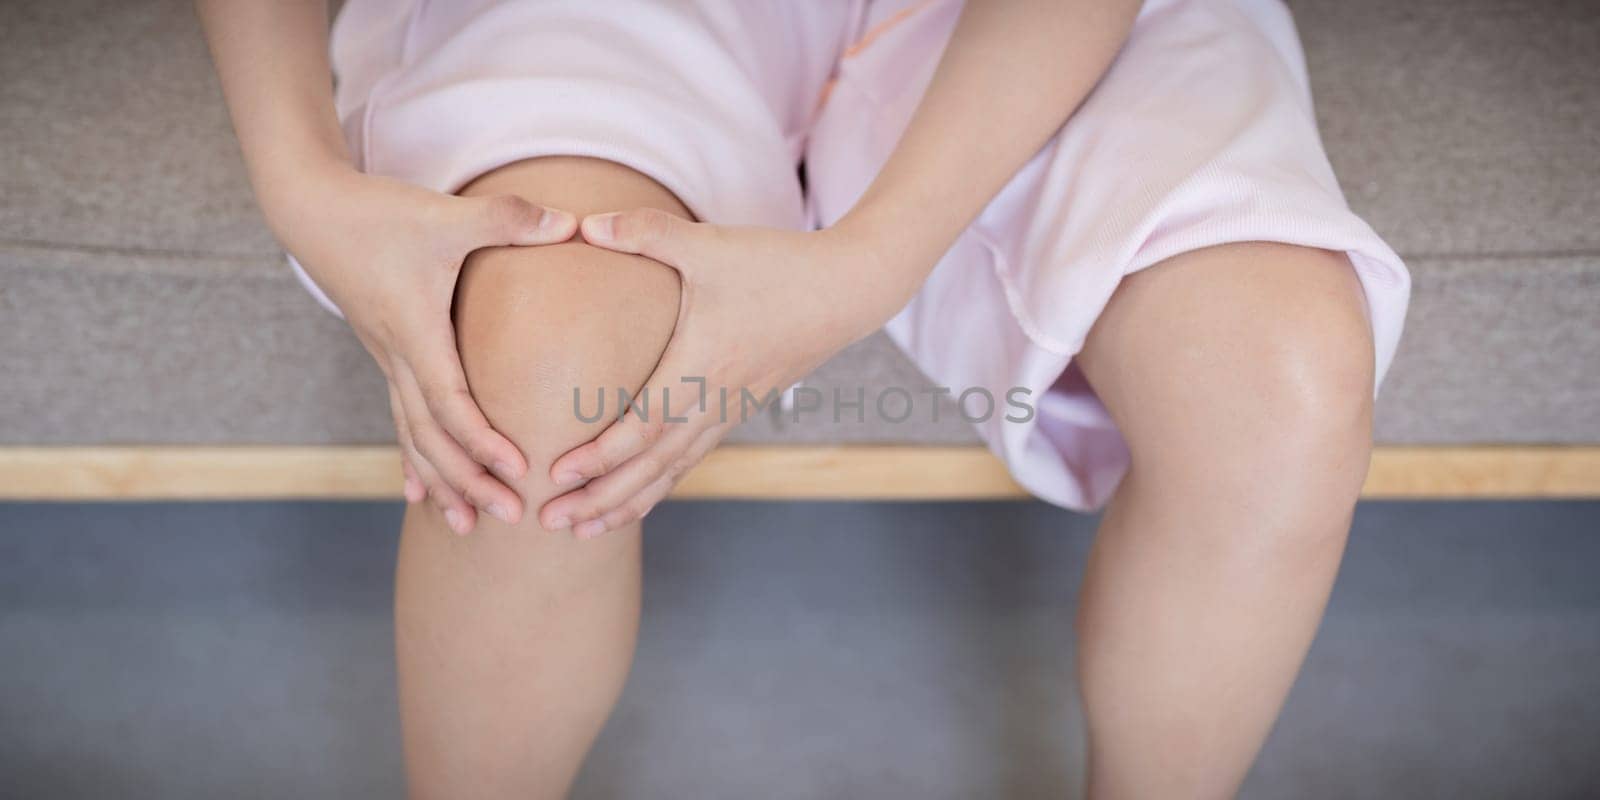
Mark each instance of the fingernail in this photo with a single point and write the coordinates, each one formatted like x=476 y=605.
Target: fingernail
x=590 y=529
x=505 y=471
x=499 y=512
x=600 y=228
x=560 y=523
x=567 y=478
x=456 y=521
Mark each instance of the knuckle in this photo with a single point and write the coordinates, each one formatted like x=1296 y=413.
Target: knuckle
x=614 y=518
x=650 y=431
x=586 y=508
x=656 y=222
x=462 y=488
x=439 y=494
x=600 y=463
x=416 y=433
x=477 y=445
x=443 y=396
x=635 y=510
x=507 y=210
x=646 y=223
x=652 y=464
x=412 y=454
x=478 y=492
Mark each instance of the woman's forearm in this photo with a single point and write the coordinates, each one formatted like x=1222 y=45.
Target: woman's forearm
x=273 y=61
x=1011 y=75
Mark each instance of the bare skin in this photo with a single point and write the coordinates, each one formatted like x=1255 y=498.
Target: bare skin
x=513 y=643
x=1241 y=377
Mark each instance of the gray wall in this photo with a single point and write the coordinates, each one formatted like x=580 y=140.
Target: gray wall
x=789 y=650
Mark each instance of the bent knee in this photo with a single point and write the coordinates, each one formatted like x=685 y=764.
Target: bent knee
x=1257 y=355
x=536 y=324
x=1314 y=379
x=1306 y=416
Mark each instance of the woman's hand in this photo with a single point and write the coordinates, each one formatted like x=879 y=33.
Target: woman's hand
x=388 y=253
x=760 y=309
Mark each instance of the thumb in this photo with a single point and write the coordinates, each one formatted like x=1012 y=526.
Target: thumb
x=510 y=220
x=648 y=232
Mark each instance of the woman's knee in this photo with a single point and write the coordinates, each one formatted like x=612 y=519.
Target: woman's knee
x=1307 y=409
x=1310 y=388
x=1305 y=386
x=538 y=325
x=535 y=323
x=1248 y=362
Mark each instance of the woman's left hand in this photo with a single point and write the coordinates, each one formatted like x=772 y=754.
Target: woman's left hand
x=760 y=309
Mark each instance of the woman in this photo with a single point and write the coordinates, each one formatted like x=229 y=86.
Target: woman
x=1122 y=208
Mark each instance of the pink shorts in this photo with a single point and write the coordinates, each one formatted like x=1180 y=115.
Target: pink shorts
x=1201 y=133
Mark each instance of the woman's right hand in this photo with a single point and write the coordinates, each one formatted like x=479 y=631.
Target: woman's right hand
x=388 y=254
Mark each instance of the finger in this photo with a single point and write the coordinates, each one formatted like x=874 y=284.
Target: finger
x=636 y=507
x=458 y=513
x=648 y=232
x=435 y=364
x=415 y=491
x=632 y=434
x=459 y=472
x=507 y=219
x=611 y=490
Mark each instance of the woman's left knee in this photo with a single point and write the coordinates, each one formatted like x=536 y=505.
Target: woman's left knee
x=1308 y=399
x=1240 y=362
x=1320 y=365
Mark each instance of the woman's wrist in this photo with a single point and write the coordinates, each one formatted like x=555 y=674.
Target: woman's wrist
x=296 y=189
x=892 y=256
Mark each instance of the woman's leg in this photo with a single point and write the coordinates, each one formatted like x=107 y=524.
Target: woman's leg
x=513 y=642
x=1241 y=376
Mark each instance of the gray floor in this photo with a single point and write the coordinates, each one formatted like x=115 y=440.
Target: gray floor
x=830 y=650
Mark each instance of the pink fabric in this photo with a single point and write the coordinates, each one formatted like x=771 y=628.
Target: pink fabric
x=1201 y=133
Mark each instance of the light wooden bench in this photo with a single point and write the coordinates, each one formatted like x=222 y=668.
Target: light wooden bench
x=785 y=472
